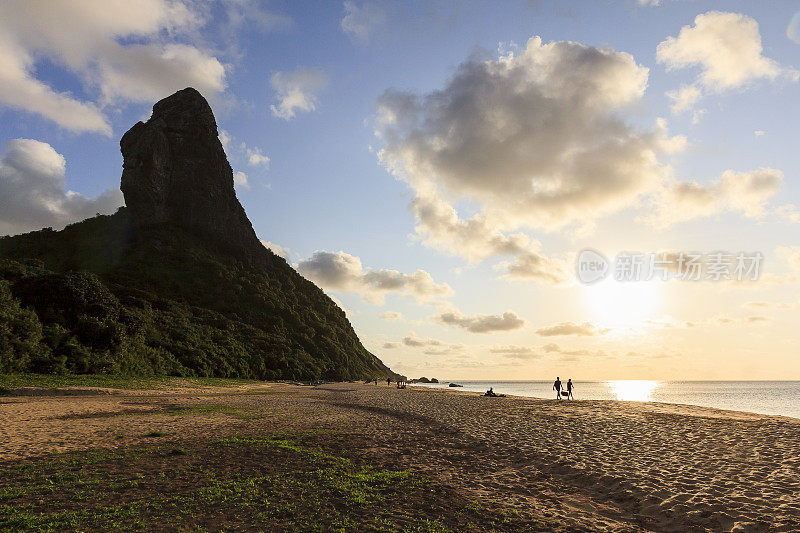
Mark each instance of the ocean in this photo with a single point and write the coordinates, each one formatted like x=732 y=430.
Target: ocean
x=763 y=397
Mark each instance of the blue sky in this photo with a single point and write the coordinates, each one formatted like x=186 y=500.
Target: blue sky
x=341 y=115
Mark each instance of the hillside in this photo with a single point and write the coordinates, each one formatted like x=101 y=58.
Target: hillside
x=168 y=290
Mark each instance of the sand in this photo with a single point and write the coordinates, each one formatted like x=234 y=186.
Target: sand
x=590 y=465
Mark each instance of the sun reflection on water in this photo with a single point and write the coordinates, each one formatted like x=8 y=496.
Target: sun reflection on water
x=633 y=390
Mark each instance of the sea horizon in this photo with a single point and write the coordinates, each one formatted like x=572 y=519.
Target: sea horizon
x=766 y=397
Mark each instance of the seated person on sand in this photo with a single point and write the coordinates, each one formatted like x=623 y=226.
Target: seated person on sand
x=493 y=394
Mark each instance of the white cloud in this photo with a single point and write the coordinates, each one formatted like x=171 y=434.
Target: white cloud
x=391 y=316
x=340 y=271
x=124 y=50
x=297 y=91
x=532 y=140
x=572 y=328
x=683 y=99
x=743 y=192
x=253 y=154
x=726 y=47
x=759 y=133
x=697 y=114
x=240 y=179
x=277 y=249
x=19 y=89
x=255 y=157
x=33 y=190
x=226 y=139
x=362 y=20
x=479 y=323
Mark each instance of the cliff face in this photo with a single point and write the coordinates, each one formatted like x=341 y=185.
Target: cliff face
x=163 y=285
x=175 y=171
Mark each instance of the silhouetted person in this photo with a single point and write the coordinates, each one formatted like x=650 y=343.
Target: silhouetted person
x=388 y=382
x=491 y=393
x=557 y=387
x=569 y=389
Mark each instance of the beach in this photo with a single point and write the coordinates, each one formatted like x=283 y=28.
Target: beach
x=579 y=465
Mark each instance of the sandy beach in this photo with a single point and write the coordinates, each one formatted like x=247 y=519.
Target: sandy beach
x=582 y=465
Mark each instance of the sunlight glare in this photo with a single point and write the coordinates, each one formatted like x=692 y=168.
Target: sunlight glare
x=617 y=304
x=633 y=390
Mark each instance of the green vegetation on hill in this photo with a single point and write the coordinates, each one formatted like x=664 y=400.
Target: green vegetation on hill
x=96 y=298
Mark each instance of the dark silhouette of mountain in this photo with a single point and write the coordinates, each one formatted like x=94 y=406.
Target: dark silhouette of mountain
x=176 y=283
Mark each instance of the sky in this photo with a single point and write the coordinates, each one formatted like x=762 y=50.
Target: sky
x=491 y=190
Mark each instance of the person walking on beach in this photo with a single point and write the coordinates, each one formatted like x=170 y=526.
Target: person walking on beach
x=388 y=382
x=569 y=389
x=557 y=387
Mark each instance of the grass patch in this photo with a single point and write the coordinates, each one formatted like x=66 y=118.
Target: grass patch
x=52 y=381
x=290 y=484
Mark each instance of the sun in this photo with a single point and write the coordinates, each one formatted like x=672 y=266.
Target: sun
x=622 y=304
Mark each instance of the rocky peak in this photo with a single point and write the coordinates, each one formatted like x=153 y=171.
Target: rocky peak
x=175 y=171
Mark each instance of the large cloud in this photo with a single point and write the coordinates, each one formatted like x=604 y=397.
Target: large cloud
x=479 y=323
x=127 y=51
x=32 y=190
x=532 y=139
x=340 y=271
x=743 y=192
x=297 y=91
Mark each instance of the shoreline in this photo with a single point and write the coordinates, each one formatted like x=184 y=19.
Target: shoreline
x=702 y=410
x=498 y=386
x=588 y=465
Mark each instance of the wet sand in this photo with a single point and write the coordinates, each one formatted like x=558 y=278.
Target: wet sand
x=589 y=465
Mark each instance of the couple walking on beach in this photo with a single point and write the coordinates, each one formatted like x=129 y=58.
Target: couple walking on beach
x=559 y=392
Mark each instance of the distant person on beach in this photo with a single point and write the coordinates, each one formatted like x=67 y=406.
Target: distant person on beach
x=388 y=382
x=569 y=389
x=491 y=393
x=557 y=387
